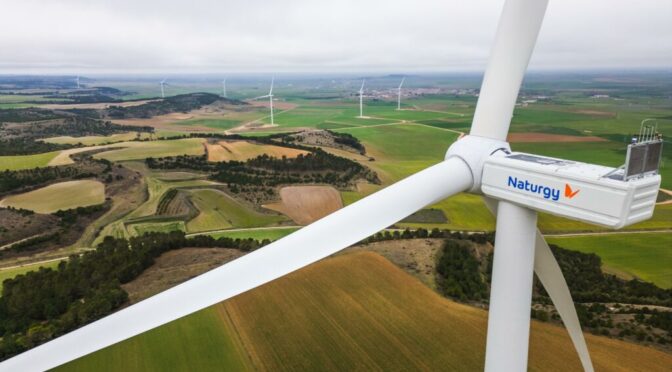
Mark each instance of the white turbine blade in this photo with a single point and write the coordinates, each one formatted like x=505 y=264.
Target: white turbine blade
x=516 y=35
x=511 y=289
x=270 y=92
x=402 y=83
x=361 y=89
x=260 y=97
x=310 y=244
x=549 y=273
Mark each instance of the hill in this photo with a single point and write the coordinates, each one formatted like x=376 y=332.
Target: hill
x=351 y=312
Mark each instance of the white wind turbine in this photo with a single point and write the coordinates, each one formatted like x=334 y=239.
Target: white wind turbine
x=270 y=99
x=361 y=100
x=77 y=81
x=476 y=163
x=399 y=94
x=163 y=93
x=224 y=88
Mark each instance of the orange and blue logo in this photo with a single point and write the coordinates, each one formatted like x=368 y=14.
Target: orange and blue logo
x=542 y=190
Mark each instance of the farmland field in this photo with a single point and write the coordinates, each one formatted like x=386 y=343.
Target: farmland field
x=219 y=211
x=243 y=150
x=96 y=140
x=59 y=196
x=352 y=311
x=271 y=233
x=142 y=150
x=641 y=255
x=10 y=273
x=18 y=162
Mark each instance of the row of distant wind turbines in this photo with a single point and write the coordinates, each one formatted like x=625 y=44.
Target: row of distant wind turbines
x=270 y=96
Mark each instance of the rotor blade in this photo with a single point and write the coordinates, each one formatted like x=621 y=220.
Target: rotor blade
x=270 y=92
x=402 y=83
x=266 y=96
x=516 y=35
x=361 y=90
x=549 y=273
x=310 y=244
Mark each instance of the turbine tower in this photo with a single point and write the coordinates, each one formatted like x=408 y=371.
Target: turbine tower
x=515 y=186
x=270 y=99
x=163 y=83
x=361 y=100
x=399 y=94
x=224 y=89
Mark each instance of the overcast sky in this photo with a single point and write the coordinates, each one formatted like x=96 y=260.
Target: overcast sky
x=220 y=36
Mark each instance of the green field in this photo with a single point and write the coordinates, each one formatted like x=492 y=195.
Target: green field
x=58 y=196
x=138 y=229
x=351 y=312
x=219 y=211
x=642 y=255
x=156 y=149
x=257 y=234
x=18 y=162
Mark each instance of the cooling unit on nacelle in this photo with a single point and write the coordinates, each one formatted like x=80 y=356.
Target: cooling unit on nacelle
x=591 y=193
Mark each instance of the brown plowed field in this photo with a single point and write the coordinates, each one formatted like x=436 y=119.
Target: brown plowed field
x=307 y=204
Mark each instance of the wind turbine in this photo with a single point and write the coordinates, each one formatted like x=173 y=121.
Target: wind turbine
x=361 y=100
x=224 y=88
x=472 y=164
x=163 y=83
x=270 y=99
x=77 y=81
x=399 y=94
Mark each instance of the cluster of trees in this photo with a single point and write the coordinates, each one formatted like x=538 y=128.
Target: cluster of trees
x=179 y=103
x=27 y=114
x=44 y=304
x=349 y=140
x=15 y=180
x=27 y=146
x=70 y=216
x=458 y=272
x=266 y=171
x=478 y=238
x=588 y=283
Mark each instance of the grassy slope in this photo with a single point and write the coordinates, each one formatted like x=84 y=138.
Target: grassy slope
x=646 y=256
x=351 y=312
x=59 y=196
x=19 y=162
x=220 y=211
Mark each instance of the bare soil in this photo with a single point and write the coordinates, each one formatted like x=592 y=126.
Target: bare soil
x=175 y=267
x=307 y=204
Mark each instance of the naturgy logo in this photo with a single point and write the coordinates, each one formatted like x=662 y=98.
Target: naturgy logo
x=547 y=192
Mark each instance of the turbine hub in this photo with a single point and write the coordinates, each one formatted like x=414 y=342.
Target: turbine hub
x=474 y=151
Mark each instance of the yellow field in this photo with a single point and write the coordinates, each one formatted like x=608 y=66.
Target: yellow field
x=95 y=140
x=351 y=312
x=59 y=196
x=243 y=150
x=307 y=204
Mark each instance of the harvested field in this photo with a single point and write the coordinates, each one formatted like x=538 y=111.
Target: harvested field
x=306 y=204
x=59 y=196
x=351 y=312
x=63 y=158
x=175 y=267
x=243 y=150
x=548 y=137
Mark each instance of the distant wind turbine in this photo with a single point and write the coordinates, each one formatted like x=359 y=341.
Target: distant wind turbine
x=163 y=93
x=270 y=98
x=77 y=80
x=224 y=88
x=361 y=100
x=399 y=94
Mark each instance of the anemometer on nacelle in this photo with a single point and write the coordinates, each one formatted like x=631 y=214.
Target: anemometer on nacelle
x=611 y=197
